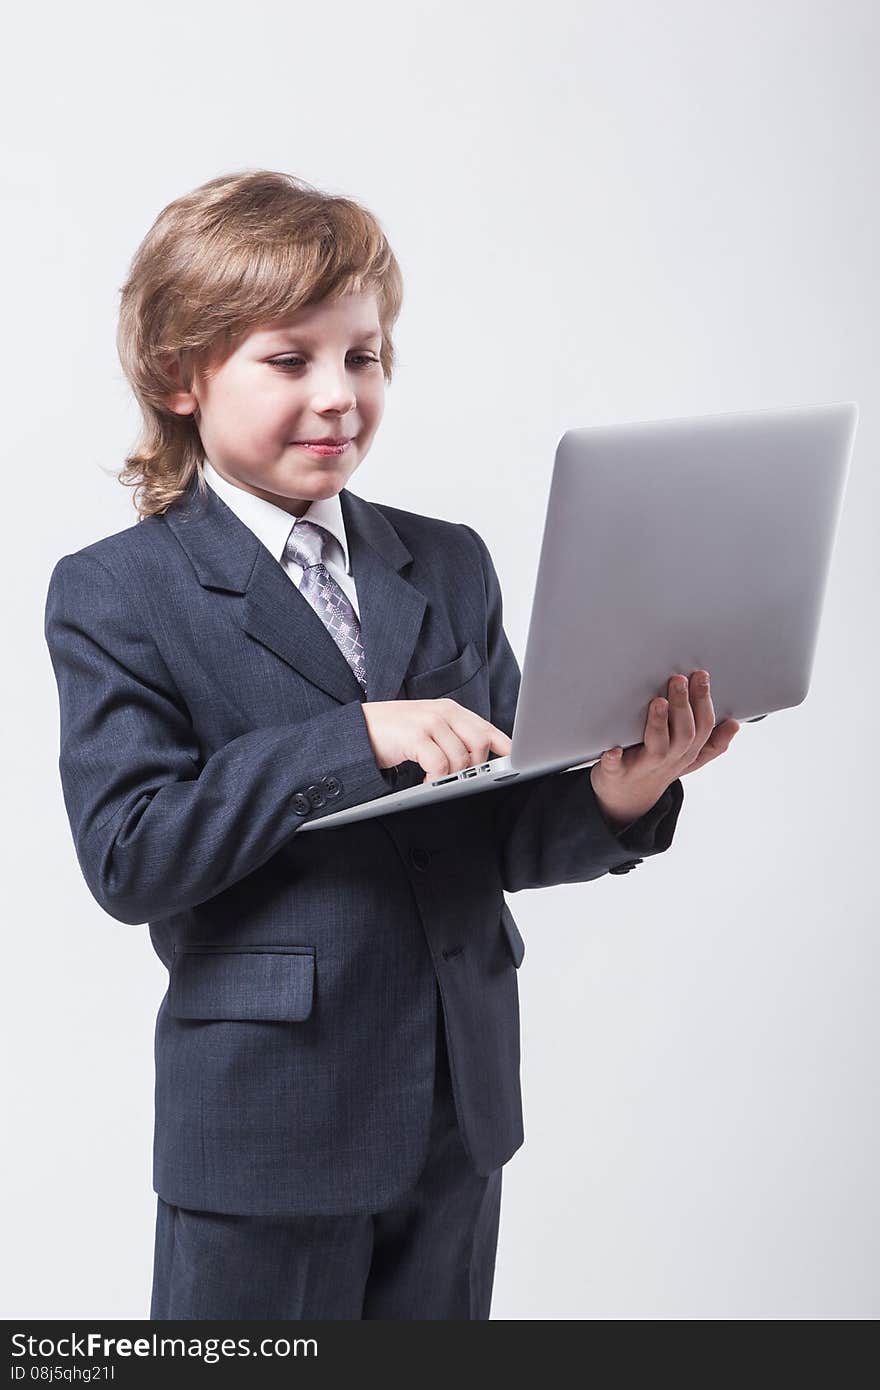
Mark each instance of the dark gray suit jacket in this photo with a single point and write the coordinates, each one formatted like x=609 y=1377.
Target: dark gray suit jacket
x=205 y=714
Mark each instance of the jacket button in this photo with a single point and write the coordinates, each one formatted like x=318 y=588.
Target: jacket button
x=419 y=857
x=331 y=785
x=301 y=804
x=316 y=795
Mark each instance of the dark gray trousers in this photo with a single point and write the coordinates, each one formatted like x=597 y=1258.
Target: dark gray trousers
x=430 y=1256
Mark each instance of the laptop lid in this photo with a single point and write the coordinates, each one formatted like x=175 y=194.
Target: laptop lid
x=676 y=545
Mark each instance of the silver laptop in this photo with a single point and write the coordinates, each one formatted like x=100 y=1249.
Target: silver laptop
x=669 y=546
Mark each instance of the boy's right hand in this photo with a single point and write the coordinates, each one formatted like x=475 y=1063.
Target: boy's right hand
x=440 y=735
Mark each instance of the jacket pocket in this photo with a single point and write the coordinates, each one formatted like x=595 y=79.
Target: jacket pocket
x=273 y=984
x=428 y=685
x=514 y=940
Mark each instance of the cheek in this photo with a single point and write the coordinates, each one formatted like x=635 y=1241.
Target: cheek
x=243 y=403
x=373 y=405
x=278 y=404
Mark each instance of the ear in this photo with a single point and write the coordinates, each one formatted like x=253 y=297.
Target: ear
x=180 y=402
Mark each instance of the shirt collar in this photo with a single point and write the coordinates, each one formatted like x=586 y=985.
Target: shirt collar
x=272 y=525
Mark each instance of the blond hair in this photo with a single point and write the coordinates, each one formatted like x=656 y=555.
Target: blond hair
x=238 y=251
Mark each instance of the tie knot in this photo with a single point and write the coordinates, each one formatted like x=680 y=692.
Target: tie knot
x=306 y=543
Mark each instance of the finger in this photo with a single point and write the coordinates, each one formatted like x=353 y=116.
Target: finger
x=682 y=725
x=444 y=751
x=464 y=737
x=612 y=760
x=499 y=741
x=701 y=704
x=718 y=742
x=480 y=736
x=657 y=730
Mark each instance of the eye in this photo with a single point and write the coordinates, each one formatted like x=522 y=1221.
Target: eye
x=290 y=363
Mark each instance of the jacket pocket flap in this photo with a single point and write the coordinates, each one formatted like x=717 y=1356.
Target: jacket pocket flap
x=426 y=685
x=514 y=940
x=274 y=984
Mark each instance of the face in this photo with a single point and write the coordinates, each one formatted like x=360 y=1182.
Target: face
x=313 y=375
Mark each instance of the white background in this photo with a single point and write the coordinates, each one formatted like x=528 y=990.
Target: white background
x=603 y=212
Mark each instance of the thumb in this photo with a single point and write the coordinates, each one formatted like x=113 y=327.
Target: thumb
x=612 y=758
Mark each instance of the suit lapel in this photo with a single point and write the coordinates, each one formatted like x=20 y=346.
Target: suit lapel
x=228 y=556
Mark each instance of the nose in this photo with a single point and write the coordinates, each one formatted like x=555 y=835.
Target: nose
x=333 y=391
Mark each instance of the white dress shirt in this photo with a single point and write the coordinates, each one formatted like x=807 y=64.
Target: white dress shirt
x=272 y=525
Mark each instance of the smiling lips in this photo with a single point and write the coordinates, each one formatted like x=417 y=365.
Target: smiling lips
x=323 y=446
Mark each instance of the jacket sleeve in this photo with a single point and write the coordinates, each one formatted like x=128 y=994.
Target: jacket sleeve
x=156 y=828
x=550 y=829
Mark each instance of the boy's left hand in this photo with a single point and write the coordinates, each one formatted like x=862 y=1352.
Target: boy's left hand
x=680 y=736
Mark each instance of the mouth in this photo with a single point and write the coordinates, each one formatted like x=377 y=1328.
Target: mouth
x=329 y=447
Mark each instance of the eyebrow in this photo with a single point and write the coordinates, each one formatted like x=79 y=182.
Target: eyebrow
x=370 y=332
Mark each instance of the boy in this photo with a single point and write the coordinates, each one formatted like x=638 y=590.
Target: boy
x=337 y=1055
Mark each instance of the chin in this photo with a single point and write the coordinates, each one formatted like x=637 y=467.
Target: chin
x=332 y=482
